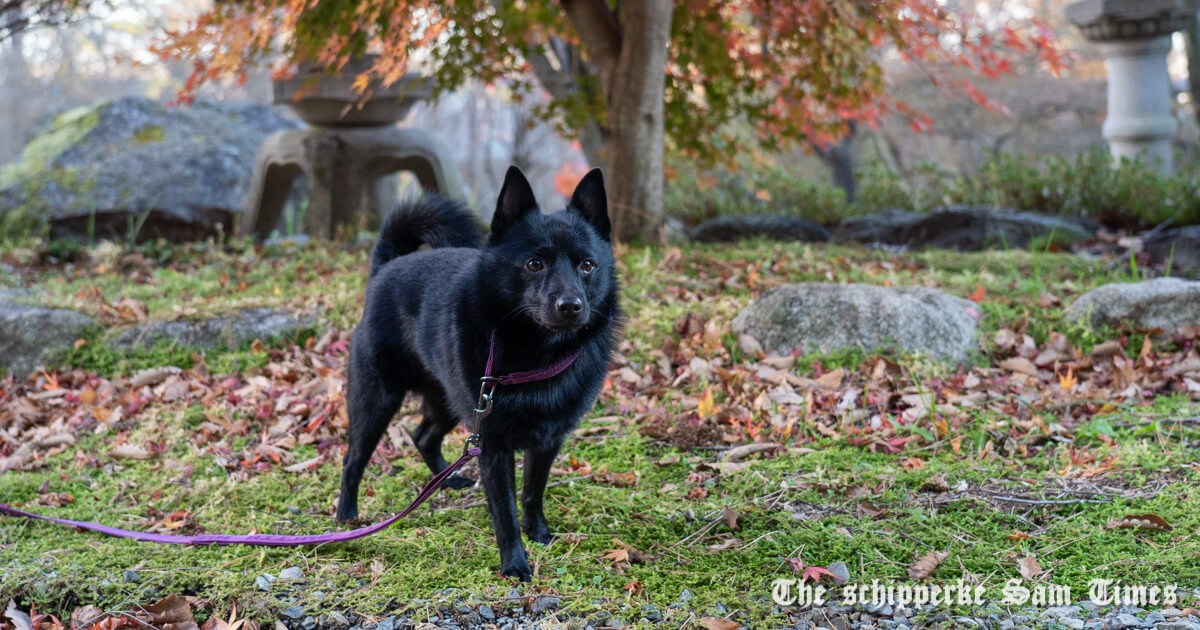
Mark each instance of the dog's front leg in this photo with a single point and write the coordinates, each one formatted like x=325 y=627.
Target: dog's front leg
x=537 y=472
x=499 y=483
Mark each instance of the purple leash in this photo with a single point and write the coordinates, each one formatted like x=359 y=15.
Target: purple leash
x=482 y=409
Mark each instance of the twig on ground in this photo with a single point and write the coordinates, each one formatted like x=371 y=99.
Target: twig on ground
x=1046 y=501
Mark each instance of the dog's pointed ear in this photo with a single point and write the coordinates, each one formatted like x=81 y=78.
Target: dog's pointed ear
x=516 y=198
x=590 y=200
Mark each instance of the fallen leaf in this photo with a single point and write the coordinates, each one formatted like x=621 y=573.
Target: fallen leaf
x=750 y=346
x=714 y=623
x=926 y=564
x=1029 y=567
x=1019 y=364
x=738 y=453
x=171 y=613
x=20 y=620
x=1141 y=521
x=130 y=451
x=731 y=517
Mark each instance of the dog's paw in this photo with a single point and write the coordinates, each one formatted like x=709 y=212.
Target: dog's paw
x=346 y=515
x=458 y=482
x=539 y=533
x=519 y=571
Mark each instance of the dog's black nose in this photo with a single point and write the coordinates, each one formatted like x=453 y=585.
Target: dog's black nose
x=569 y=306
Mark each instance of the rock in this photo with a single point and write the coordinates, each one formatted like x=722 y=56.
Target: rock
x=292 y=612
x=31 y=335
x=131 y=576
x=486 y=612
x=1072 y=622
x=544 y=603
x=291 y=573
x=781 y=228
x=1179 y=246
x=263 y=582
x=309 y=623
x=184 y=170
x=965 y=228
x=1163 y=303
x=1155 y=617
x=228 y=330
x=819 y=317
x=387 y=623
x=1125 y=620
x=685 y=596
x=840 y=572
x=1178 y=625
x=337 y=619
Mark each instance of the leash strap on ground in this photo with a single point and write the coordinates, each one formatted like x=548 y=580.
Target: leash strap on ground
x=482 y=409
x=259 y=540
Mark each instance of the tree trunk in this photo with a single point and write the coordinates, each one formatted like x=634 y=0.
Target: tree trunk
x=839 y=157
x=631 y=59
x=633 y=146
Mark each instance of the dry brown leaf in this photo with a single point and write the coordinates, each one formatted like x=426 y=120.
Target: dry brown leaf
x=1019 y=364
x=926 y=564
x=617 y=556
x=1141 y=521
x=171 y=613
x=738 y=453
x=714 y=623
x=153 y=376
x=20 y=620
x=130 y=451
x=937 y=482
x=750 y=346
x=779 y=362
x=731 y=517
x=1029 y=567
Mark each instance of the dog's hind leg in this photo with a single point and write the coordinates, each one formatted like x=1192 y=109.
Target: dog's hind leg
x=435 y=424
x=371 y=405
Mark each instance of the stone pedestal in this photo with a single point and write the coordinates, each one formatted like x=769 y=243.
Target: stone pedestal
x=1135 y=36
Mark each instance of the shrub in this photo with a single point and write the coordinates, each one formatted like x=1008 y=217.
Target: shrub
x=1129 y=195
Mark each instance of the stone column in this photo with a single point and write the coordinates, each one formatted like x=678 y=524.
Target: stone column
x=1139 y=121
x=1134 y=37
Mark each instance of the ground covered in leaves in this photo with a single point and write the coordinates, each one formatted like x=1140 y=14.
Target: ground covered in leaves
x=706 y=471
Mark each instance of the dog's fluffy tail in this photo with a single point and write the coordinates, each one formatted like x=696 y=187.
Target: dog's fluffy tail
x=430 y=219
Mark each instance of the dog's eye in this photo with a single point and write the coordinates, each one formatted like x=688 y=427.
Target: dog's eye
x=587 y=266
x=535 y=264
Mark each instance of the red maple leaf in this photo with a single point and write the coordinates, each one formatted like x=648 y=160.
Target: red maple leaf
x=809 y=572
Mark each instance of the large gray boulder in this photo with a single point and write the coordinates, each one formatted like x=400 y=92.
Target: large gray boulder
x=965 y=228
x=1163 y=304
x=100 y=169
x=775 y=227
x=230 y=330
x=821 y=317
x=30 y=335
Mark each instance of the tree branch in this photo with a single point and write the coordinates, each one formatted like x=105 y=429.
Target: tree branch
x=600 y=33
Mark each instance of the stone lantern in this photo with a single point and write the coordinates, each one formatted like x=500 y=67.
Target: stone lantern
x=1134 y=37
x=348 y=152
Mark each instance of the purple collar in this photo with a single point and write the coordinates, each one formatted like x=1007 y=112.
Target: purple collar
x=528 y=376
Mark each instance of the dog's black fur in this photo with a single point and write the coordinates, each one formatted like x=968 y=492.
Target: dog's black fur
x=426 y=325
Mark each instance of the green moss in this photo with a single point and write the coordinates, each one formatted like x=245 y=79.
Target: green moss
x=64 y=131
x=151 y=134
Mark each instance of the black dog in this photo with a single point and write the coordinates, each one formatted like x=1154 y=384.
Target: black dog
x=544 y=285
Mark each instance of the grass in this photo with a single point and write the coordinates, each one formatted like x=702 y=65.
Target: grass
x=819 y=516
x=828 y=502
